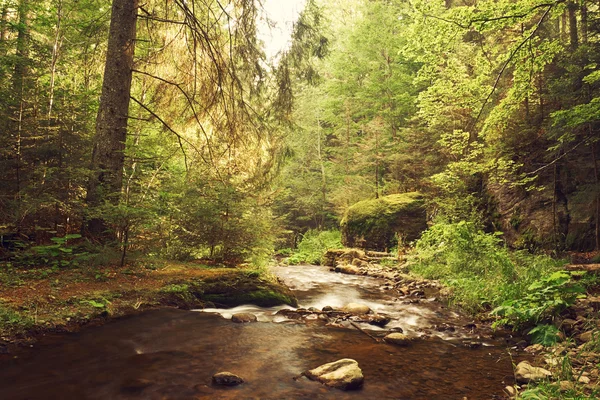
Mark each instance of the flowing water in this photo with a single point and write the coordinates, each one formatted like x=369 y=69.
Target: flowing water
x=172 y=354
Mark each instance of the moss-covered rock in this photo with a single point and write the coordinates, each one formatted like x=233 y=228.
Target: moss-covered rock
x=376 y=224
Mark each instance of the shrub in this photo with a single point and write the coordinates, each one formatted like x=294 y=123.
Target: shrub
x=481 y=271
x=314 y=245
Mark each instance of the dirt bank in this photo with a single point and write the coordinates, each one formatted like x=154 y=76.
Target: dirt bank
x=36 y=301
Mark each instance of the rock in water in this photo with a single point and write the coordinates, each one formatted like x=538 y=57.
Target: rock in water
x=227 y=379
x=398 y=339
x=374 y=319
x=243 y=317
x=526 y=373
x=344 y=374
x=355 y=308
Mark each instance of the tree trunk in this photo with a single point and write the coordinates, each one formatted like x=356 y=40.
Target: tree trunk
x=4 y=23
x=584 y=24
x=321 y=220
x=573 y=35
x=21 y=71
x=111 y=123
x=597 y=181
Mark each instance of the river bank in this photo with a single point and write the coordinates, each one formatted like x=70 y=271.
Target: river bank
x=34 y=302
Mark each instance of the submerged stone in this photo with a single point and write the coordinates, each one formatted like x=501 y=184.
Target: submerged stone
x=227 y=379
x=243 y=318
x=344 y=374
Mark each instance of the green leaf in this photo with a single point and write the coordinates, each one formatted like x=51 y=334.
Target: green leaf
x=544 y=334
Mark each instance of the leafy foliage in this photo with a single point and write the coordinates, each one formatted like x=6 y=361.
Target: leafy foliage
x=314 y=245
x=543 y=298
x=479 y=269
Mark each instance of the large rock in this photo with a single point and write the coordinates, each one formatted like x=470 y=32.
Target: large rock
x=227 y=379
x=344 y=374
x=375 y=224
x=356 y=308
x=241 y=318
x=526 y=373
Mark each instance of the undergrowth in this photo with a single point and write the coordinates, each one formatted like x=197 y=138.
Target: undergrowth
x=484 y=274
x=314 y=245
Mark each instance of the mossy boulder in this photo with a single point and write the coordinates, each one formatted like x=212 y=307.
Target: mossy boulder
x=377 y=224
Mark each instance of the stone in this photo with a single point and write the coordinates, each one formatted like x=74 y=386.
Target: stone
x=344 y=374
x=227 y=379
x=397 y=338
x=241 y=318
x=565 y=386
x=568 y=324
x=347 y=269
x=584 y=379
x=510 y=391
x=327 y=309
x=586 y=336
x=526 y=373
x=534 y=348
x=374 y=319
x=356 y=308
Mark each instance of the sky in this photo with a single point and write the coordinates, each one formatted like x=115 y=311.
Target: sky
x=283 y=13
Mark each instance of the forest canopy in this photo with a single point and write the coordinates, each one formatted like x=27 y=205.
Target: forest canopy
x=162 y=128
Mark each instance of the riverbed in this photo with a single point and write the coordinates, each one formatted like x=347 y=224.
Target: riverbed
x=172 y=354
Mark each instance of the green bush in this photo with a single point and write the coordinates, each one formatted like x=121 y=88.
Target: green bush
x=544 y=297
x=314 y=245
x=480 y=270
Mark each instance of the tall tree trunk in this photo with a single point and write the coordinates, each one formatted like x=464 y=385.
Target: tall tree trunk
x=573 y=35
x=3 y=24
x=321 y=221
x=597 y=181
x=19 y=77
x=584 y=23
x=111 y=123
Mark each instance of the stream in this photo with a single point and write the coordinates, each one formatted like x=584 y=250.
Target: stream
x=172 y=354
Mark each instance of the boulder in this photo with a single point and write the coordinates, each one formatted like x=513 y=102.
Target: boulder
x=526 y=373
x=344 y=374
x=226 y=379
x=397 y=338
x=243 y=318
x=356 y=308
x=376 y=224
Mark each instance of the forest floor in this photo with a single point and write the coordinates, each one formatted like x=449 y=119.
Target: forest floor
x=35 y=301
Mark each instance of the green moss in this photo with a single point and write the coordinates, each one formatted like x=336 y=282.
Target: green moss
x=12 y=321
x=260 y=297
x=376 y=224
x=242 y=288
